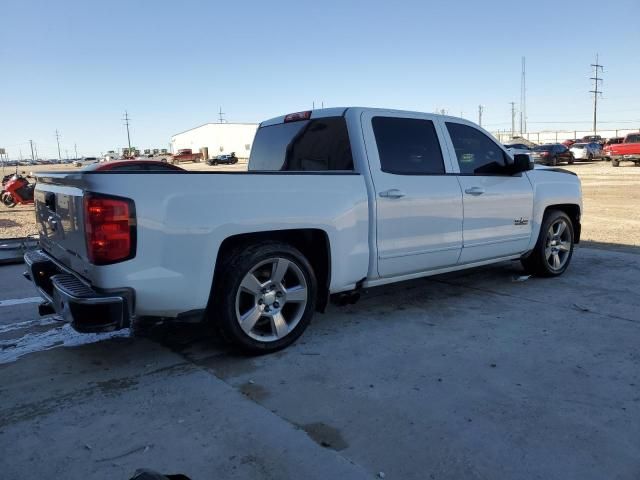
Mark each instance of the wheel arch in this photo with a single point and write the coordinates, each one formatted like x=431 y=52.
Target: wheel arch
x=573 y=212
x=313 y=243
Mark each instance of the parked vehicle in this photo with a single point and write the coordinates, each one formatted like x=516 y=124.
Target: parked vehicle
x=567 y=143
x=629 y=150
x=16 y=190
x=592 y=138
x=518 y=149
x=613 y=141
x=229 y=159
x=185 y=155
x=335 y=200
x=552 y=154
x=586 y=151
x=132 y=166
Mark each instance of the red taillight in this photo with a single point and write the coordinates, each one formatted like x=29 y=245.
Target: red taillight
x=294 y=117
x=109 y=224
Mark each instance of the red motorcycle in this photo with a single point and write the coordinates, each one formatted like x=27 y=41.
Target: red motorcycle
x=16 y=190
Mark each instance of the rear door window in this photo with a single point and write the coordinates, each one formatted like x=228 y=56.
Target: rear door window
x=310 y=145
x=408 y=146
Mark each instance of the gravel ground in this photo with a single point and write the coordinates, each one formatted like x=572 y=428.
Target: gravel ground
x=610 y=195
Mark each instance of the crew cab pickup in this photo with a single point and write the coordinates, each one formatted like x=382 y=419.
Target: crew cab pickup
x=334 y=201
x=185 y=155
x=628 y=150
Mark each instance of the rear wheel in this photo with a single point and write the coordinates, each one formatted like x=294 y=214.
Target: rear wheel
x=554 y=162
x=615 y=163
x=265 y=297
x=553 y=251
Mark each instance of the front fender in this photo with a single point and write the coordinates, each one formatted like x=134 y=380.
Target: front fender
x=553 y=187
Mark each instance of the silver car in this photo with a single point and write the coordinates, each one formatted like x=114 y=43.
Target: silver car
x=586 y=151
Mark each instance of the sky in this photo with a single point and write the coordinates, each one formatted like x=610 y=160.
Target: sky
x=76 y=66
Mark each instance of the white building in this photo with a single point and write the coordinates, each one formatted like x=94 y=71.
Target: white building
x=219 y=138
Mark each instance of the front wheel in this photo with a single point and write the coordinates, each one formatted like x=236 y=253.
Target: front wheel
x=264 y=297
x=8 y=200
x=553 y=251
x=554 y=162
x=615 y=163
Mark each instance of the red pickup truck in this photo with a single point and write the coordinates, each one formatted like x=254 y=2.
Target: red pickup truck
x=629 y=150
x=185 y=155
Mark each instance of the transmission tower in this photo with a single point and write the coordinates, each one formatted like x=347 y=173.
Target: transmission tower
x=597 y=68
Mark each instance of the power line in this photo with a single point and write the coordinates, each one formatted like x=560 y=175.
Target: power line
x=596 y=68
x=126 y=122
x=58 y=140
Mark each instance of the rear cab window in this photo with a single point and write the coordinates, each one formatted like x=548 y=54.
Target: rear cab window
x=314 y=145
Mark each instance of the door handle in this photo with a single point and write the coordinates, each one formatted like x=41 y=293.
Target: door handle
x=392 y=193
x=474 y=191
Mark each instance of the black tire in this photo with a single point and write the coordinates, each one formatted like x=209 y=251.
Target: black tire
x=615 y=163
x=590 y=157
x=229 y=276
x=571 y=160
x=536 y=262
x=554 y=162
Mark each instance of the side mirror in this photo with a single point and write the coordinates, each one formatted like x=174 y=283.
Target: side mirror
x=521 y=163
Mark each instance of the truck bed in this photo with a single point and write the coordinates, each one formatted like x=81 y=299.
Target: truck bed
x=183 y=217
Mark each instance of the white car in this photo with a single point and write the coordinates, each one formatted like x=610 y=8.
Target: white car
x=335 y=200
x=586 y=151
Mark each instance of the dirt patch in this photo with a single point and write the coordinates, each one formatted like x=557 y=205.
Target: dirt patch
x=325 y=436
x=253 y=391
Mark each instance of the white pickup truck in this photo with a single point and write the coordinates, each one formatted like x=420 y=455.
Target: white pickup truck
x=335 y=200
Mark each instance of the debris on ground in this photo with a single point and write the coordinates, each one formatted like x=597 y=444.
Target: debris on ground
x=520 y=278
x=580 y=308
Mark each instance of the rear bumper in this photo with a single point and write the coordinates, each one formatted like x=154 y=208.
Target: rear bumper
x=87 y=309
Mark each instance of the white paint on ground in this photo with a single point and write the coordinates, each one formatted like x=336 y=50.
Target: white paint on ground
x=39 y=322
x=62 y=336
x=20 y=301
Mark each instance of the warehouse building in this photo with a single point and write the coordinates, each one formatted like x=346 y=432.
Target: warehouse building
x=218 y=138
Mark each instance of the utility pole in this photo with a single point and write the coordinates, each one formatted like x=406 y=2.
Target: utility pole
x=596 y=91
x=523 y=98
x=220 y=115
x=513 y=119
x=75 y=147
x=480 y=109
x=58 y=140
x=35 y=147
x=66 y=153
x=126 y=122
x=32 y=157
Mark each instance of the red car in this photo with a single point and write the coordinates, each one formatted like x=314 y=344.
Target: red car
x=131 y=166
x=628 y=151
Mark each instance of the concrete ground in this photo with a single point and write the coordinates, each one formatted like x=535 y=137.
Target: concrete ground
x=474 y=375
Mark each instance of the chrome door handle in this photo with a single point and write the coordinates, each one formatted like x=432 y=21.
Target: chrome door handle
x=474 y=191
x=393 y=193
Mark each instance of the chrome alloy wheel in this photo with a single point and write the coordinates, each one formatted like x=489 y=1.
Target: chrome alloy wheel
x=558 y=245
x=271 y=299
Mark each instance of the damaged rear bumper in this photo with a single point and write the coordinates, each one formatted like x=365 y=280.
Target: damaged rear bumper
x=86 y=308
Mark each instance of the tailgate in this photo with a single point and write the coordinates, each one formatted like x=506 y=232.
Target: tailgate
x=59 y=215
